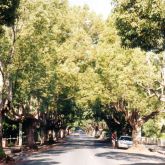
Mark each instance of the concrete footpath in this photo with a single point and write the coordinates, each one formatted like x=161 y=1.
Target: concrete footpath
x=155 y=148
x=18 y=153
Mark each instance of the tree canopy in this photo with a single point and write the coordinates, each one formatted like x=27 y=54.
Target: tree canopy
x=141 y=23
x=62 y=65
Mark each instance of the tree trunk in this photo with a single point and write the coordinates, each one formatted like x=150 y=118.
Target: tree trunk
x=136 y=134
x=1 y=101
x=67 y=131
x=20 y=129
x=56 y=135
x=1 y=133
x=42 y=136
x=62 y=133
x=20 y=135
x=30 y=138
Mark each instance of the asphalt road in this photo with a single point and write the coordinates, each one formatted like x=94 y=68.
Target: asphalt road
x=83 y=150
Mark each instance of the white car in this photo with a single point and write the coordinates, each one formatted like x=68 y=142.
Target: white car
x=124 y=142
x=76 y=134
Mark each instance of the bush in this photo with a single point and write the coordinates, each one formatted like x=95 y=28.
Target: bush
x=11 y=144
x=2 y=153
x=151 y=128
x=162 y=135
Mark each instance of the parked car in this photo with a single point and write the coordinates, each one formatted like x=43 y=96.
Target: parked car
x=124 y=142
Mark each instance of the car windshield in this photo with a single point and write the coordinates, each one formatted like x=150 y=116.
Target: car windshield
x=125 y=138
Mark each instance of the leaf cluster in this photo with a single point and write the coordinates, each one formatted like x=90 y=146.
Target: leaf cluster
x=141 y=23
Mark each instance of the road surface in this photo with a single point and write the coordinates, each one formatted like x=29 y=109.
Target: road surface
x=83 y=150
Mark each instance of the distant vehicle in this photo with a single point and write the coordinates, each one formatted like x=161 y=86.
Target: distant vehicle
x=124 y=142
x=76 y=134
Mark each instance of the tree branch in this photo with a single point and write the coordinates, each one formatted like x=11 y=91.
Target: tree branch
x=150 y=91
x=152 y=115
x=1 y=70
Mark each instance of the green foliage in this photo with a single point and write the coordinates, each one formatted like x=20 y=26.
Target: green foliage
x=52 y=49
x=2 y=153
x=121 y=71
x=7 y=126
x=162 y=136
x=69 y=63
x=151 y=128
x=141 y=23
x=34 y=63
x=11 y=144
x=8 y=11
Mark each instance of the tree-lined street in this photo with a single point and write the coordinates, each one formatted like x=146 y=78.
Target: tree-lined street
x=64 y=67
x=84 y=150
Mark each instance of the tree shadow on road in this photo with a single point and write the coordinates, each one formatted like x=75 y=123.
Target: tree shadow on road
x=39 y=162
x=90 y=143
x=132 y=157
x=145 y=164
x=42 y=158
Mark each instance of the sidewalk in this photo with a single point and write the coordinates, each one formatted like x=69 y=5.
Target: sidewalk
x=156 y=148
x=18 y=154
x=14 y=152
x=160 y=150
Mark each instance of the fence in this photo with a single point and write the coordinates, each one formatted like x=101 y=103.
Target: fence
x=13 y=141
x=153 y=141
